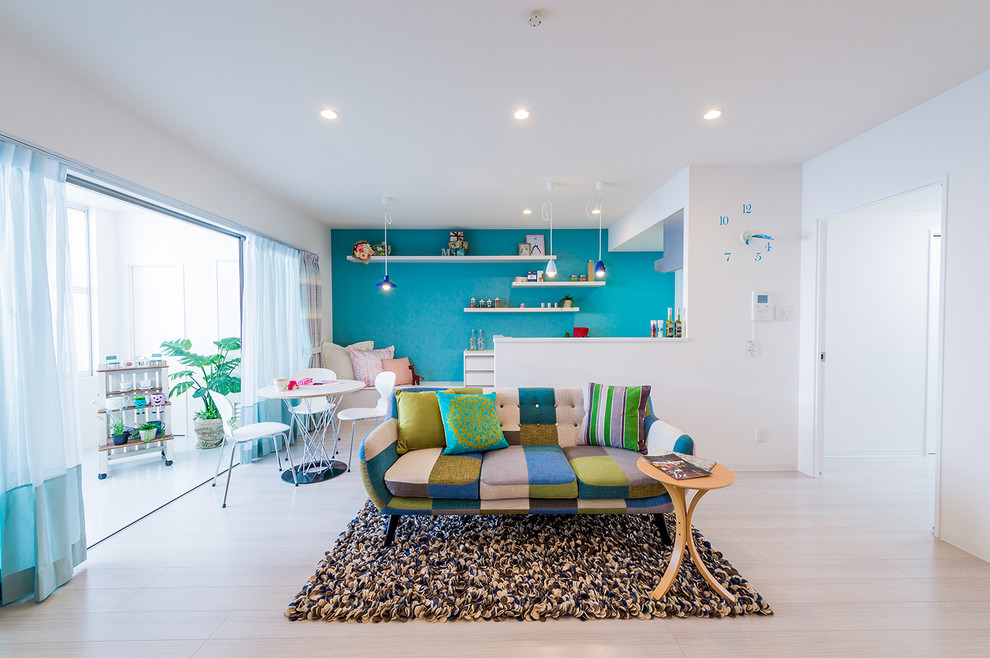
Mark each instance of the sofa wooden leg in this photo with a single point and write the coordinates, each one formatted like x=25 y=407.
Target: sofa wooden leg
x=393 y=523
x=664 y=533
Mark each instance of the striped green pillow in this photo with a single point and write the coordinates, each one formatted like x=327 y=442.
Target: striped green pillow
x=614 y=416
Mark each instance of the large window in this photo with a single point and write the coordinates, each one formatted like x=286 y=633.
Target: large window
x=82 y=289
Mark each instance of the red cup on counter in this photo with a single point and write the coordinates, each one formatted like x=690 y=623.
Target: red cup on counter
x=580 y=332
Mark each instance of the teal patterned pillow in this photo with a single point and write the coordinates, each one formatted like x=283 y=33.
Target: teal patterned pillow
x=470 y=423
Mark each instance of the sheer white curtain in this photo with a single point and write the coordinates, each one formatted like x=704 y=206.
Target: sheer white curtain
x=276 y=339
x=42 y=528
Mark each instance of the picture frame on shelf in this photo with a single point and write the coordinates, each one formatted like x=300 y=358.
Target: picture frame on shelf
x=537 y=244
x=525 y=249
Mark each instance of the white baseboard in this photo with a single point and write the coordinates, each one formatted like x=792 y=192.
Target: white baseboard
x=981 y=552
x=860 y=453
x=762 y=466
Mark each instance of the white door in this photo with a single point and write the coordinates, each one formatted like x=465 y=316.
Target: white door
x=876 y=326
x=158 y=304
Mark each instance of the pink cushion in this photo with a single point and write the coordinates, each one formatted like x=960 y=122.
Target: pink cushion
x=368 y=364
x=403 y=375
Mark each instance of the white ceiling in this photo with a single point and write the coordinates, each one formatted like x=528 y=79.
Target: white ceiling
x=426 y=90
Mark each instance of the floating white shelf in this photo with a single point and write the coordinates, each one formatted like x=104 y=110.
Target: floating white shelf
x=535 y=309
x=557 y=284
x=457 y=259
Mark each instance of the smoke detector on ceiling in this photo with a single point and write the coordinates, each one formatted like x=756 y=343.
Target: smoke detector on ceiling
x=535 y=18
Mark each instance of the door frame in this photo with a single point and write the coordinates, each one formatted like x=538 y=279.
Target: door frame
x=820 y=310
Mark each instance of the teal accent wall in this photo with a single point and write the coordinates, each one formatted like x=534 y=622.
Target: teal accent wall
x=424 y=315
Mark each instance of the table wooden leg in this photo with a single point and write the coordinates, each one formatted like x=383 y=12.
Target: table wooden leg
x=680 y=537
x=698 y=562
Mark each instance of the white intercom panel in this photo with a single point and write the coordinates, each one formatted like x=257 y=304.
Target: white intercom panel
x=762 y=306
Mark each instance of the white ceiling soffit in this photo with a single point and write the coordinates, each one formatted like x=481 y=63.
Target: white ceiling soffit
x=426 y=91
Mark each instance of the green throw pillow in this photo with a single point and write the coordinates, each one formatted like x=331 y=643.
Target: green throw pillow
x=470 y=423
x=614 y=416
x=420 y=423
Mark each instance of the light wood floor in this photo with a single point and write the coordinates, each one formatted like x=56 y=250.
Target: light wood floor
x=847 y=563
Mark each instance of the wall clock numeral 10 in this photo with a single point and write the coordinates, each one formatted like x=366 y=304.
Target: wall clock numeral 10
x=723 y=220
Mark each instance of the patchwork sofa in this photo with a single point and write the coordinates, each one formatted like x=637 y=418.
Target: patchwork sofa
x=542 y=471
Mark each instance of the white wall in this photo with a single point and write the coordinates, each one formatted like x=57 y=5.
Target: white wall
x=44 y=106
x=876 y=329
x=948 y=137
x=708 y=386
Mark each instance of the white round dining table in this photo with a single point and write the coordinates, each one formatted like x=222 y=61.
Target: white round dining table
x=316 y=464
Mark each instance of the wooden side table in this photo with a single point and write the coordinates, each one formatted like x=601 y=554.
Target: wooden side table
x=720 y=477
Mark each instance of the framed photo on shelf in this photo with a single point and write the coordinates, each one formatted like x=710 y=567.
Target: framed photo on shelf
x=536 y=244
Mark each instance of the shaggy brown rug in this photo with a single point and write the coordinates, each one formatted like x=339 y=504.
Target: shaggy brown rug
x=524 y=567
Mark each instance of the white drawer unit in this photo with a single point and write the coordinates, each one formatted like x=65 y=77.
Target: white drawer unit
x=479 y=367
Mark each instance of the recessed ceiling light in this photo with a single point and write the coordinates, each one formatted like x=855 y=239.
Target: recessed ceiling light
x=596 y=211
x=527 y=211
x=712 y=114
x=521 y=113
x=329 y=113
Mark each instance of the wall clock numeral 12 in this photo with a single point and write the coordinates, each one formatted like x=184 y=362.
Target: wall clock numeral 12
x=747 y=208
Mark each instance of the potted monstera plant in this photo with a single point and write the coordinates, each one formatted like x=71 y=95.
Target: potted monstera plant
x=214 y=372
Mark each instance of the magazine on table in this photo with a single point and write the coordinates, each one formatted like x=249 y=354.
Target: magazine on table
x=680 y=466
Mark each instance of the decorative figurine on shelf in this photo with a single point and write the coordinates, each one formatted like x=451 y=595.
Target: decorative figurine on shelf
x=379 y=249
x=157 y=399
x=457 y=245
x=361 y=251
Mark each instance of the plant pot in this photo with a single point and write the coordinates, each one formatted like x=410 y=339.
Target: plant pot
x=567 y=303
x=119 y=439
x=209 y=433
x=161 y=427
x=147 y=435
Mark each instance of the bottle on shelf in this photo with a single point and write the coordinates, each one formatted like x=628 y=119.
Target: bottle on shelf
x=653 y=328
x=668 y=330
x=481 y=339
x=474 y=302
x=474 y=344
x=678 y=325
x=496 y=302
